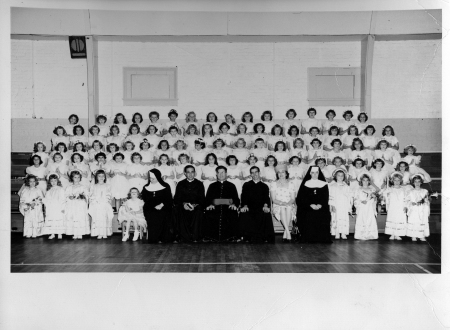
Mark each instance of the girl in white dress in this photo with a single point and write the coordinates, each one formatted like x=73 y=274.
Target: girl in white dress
x=99 y=163
x=234 y=173
x=355 y=171
x=403 y=168
x=94 y=135
x=180 y=148
x=182 y=161
x=362 y=122
x=358 y=151
x=147 y=155
x=191 y=120
x=80 y=149
x=132 y=211
x=30 y=206
x=137 y=119
x=167 y=172
x=60 y=168
x=321 y=162
x=241 y=152
x=100 y=121
x=191 y=134
x=300 y=151
x=129 y=149
x=38 y=170
x=341 y=200
x=369 y=140
x=261 y=153
x=121 y=122
x=379 y=175
x=251 y=161
x=55 y=202
x=117 y=170
x=229 y=119
x=315 y=151
x=208 y=136
x=115 y=136
x=73 y=121
x=396 y=208
x=152 y=137
x=336 y=152
x=112 y=149
x=173 y=115
x=330 y=122
x=97 y=147
x=136 y=172
x=292 y=134
x=208 y=171
x=134 y=136
x=100 y=208
x=220 y=153
x=365 y=201
x=172 y=137
x=337 y=163
x=60 y=136
x=198 y=155
x=39 y=149
x=418 y=210
x=61 y=148
x=266 y=120
x=280 y=153
x=332 y=134
x=247 y=120
x=343 y=126
x=313 y=135
x=76 y=210
x=81 y=167
x=78 y=136
x=154 y=118
x=226 y=137
x=211 y=119
x=268 y=172
x=282 y=193
x=414 y=162
x=162 y=149
x=259 y=133
x=296 y=172
x=310 y=122
x=389 y=135
x=290 y=122
x=348 y=138
x=276 y=136
x=387 y=155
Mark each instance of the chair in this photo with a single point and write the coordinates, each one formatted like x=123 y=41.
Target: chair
x=132 y=229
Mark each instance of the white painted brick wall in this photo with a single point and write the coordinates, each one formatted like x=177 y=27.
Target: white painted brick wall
x=407 y=79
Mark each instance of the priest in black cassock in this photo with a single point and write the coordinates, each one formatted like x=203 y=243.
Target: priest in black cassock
x=255 y=218
x=189 y=204
x=221 y=216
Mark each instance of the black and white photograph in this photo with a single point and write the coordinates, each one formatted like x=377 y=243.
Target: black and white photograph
x=194 y=141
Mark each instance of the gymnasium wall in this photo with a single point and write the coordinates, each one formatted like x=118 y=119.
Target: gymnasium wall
x=226 y=77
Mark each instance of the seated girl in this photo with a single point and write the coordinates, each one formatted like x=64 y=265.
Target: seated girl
x=60 y=136
x=132 y=212
x=276 y=136
x=343 y=126
x=413 y=161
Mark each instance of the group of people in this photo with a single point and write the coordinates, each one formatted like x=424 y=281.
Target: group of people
x=224 y=181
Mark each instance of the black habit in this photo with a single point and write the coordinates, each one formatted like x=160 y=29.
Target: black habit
x=189 y=223
x=221 y=223
x=257 y=226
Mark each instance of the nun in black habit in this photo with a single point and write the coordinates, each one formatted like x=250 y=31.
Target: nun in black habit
x=158 y=204
x=221 y=216
x=313 y=212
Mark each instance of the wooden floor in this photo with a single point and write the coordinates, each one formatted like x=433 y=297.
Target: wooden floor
x=113 y=255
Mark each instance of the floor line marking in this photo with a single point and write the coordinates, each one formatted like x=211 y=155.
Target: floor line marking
x=423 y=269
x=230 y=263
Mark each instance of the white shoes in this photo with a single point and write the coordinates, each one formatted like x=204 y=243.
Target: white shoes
x=336 y=237
x=398 y=238
x=344 y=236
x=59 y=236
x=136 y=235
x=52 y=236
x=414 y=239
x=423 y=240
x=99 y=237
x=125 y=237
x=392 y=237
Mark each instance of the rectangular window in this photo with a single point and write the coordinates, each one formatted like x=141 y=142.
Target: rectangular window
x=150 y=86
x=334 y=86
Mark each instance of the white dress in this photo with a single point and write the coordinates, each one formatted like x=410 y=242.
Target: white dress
x=57 y=139
x=127 y=156
x=221 y=154
x=63 y=168
x=320 y=153
x=136 y=139
x=140 y=171
x=173 y=139
x=414 y=168
x=147 y=156
x=209 y=143
x=116 y=139
x=123 y=129
x=190 y=141
x=40 y=173
x=153 y=140
x=328 y=139
x=76 y=211
x=33 y=222
x=326 y=125
x=396 y=216
x=237 y=182
x=119 y=183
x=348 y=139
x=366 y=221
x=135 y=212
x=341 y=197
x=354 y=172
x=85 y=173
x=261 y=154
x=245 y=169
x=69 y=129
x=418 y=214
x=346 y=124
x=167 y=170
x=78 y=138
x=179 y=169
x=104 y=129
x=100 y=210
x=388 y=154
x=208 y=171
x=369 y=141
x=283 y=194
x=281 y=156
x=302 y=154
x=55 y=202
x=296 y=174
x=308 y=123
x=242 y=155
x=269 y=174
x=379 y=177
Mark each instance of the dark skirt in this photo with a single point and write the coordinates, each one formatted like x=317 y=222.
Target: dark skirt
x=221 y=224
x=314 y=227
x=187 y=224
x=257 y=226
x=158 y=225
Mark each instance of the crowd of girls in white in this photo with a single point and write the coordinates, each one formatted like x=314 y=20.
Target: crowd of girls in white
x=92 y=173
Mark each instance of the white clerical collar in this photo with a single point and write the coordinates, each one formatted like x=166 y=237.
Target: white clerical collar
x=190 y=180
x=315 y=183
x=257 y=181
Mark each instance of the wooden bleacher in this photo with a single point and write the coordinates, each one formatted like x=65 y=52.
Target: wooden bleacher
x=431 y=162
